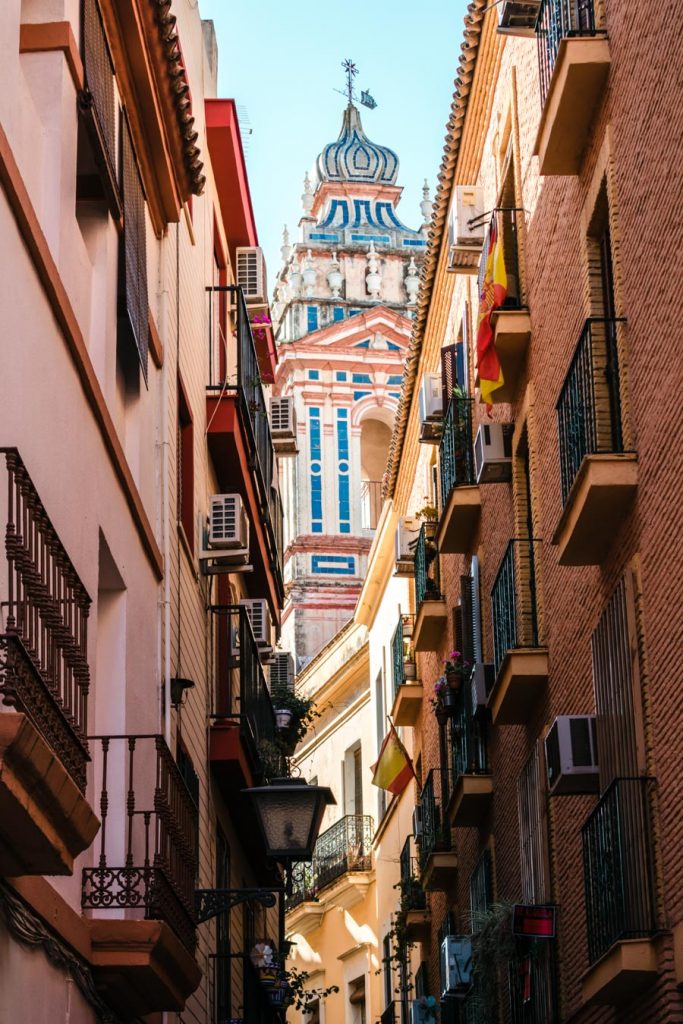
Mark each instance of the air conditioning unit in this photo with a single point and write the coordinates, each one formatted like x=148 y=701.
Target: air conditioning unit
x=417 y=822
x=283 y=425
x=282 y=671
x=467 y=224
x=259 y=619
x=483 y=678
x=493 y=453
x=251 y=274
x=228 y=535
x=571 y=753
x=518 y=17
x=456 y=965
x=431 y=408
x=407 y=533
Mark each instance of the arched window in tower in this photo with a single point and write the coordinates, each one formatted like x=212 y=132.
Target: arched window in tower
x=375 y=437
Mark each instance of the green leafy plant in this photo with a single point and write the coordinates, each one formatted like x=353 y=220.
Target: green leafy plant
x=428 y=512
x=493 y=947
x=299 y=996
x=303 y=709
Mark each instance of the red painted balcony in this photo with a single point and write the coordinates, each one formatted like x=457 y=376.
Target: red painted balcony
x=239 y=437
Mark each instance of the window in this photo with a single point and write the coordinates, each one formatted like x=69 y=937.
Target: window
x=315 y=466
x=531 y=806
x=481 y=890
x=313 y=375
x=96 y=167
x=338 y=313
x=185 y=455
x=361 y=378
x=386 y=973
x=617 y=687
x=353 y=780
x=133 y=314
x=312 y=318
x=340 y=375
x=344 y=480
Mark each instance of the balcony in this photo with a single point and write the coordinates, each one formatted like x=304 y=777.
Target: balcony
x=408 y=692
x=460 y=497
x=438 y=863
x=429 y=601
x=598 y=478
x=45 y=819
x=140 y=896
x=511 y=323
x=472 y=790
x=413 y=905
x=574 y=61
x=520 y=663
x=392 y=1012
x=239 y=438
x=370 y=503
x=620 y=893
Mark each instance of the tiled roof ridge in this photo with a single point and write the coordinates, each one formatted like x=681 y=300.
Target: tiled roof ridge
x=454 y=128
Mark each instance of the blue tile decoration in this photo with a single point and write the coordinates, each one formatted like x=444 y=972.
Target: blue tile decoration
x=415 y=241
x=343 y=470
x=338 y=313
x=315 y=456
x=395 y=378
x=353 y=157
x=314 y=375
x=360 y=394
x=340 y=375
x=361 y=378
x=312 y=318
x=371 y=238
x=322 y=236
x=338 y=565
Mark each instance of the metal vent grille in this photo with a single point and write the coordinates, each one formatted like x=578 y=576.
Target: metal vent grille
x=281 y=415
x=225 y=519
x=133 y=304
x=250 y=272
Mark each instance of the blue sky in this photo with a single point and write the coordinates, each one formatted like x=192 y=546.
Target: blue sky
x=282 y=63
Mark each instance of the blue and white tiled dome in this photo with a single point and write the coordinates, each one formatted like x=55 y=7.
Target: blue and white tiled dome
x=354 y=158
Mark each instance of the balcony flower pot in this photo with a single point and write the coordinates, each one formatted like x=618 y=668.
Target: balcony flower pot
x=450 y=700
x=442 y=714
x=409 y=670
x=453 y=678
x=283 y=718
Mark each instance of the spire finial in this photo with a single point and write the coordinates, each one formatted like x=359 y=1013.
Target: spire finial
x=351 y=72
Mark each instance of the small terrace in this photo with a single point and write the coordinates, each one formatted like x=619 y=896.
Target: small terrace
x=472 y=790
x=520 y=662
x=437 y=860
x=408 y=691
x=598 y=478
x=460 y=497
x=429 y=601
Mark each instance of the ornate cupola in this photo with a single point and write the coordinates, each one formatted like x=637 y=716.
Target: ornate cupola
x=353 y=157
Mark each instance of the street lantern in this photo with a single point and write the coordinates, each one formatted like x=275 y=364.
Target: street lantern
x=290 y=812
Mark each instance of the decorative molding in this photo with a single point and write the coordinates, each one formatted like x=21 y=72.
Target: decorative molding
x=56 y=294
x=29 y=930
x=48 y=36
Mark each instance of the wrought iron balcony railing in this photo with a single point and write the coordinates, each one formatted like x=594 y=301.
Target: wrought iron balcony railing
x=148 y=839
x=391 y=1014
x=507 y=220
x=618 y=866
x=413 y=896
x=370 y=503
x=241 y=690
x=456 y=454
x=427 y=570
x=513 y=600
x=589 y=406
x=436 y=833
x=399 y=649
x=43 y=651
x=469 y=755
x=345 y=847
x=234 y=370
x=558 y=20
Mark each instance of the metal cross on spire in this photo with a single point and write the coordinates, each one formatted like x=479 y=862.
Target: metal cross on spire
x=351 y=71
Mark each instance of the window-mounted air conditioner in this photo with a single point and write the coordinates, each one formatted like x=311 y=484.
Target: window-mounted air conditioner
x=282 y=671
x=483 y=678
x=456 y=965
x=259 y=619
x=407 y=533
x=283 y=425
x=417 y=822
x=466 y=225
x=518 y=17
x=251 y=274
x=493 y=453
x=228 y=535
x=571 y=753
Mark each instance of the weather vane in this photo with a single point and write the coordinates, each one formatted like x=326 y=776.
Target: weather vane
x=351 y=71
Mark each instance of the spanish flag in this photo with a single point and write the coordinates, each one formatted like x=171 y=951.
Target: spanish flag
x=393 y=769
x=492 y=297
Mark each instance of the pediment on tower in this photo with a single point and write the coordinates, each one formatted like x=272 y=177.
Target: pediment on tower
x=378 y=329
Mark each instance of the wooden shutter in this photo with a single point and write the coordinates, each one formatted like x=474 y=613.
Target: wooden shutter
x=616 y=676
x=532 y=812
x=133 y=307
x=97 y=102
x=467 y=618
x=449 y=374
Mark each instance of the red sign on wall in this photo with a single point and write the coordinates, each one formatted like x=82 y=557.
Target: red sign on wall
x=533 y=922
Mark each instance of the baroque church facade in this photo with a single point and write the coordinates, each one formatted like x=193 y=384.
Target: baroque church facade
x=342 y=310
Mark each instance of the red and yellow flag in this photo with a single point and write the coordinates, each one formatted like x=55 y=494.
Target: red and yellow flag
x=393 y=769
x=492 y=297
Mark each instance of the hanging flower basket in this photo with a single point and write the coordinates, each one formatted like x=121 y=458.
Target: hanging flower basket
x=454 y=678
x=450 y=700
x=283 y=718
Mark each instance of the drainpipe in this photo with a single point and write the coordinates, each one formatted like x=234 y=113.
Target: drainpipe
x=165 y=500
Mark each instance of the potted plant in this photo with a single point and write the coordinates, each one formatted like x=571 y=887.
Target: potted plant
x=455 y=669
x=296 y=715
x=409 y=667
x=444 y=701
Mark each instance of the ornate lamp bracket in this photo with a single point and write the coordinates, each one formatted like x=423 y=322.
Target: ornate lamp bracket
x=211 y=902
